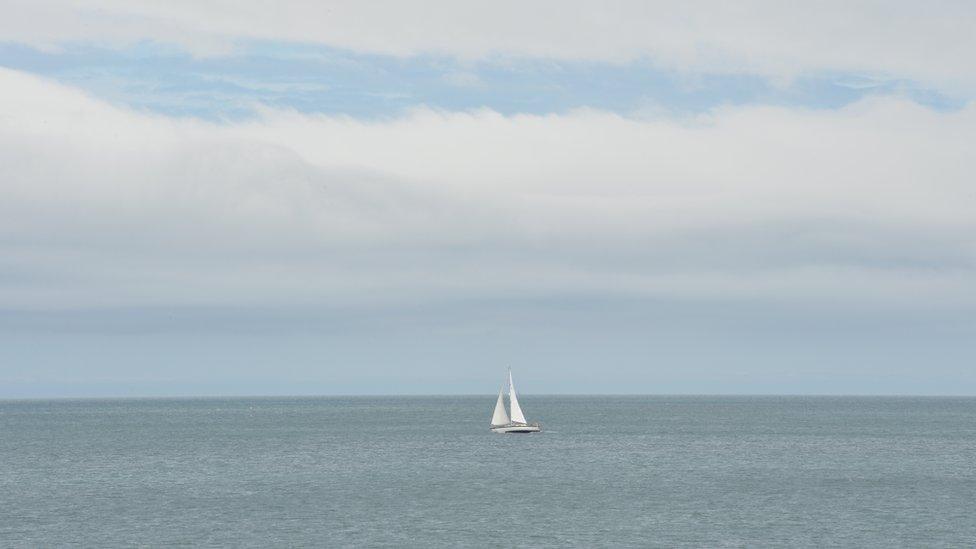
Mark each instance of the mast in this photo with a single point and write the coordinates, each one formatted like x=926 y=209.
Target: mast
x=499 y=417
x=517 y=415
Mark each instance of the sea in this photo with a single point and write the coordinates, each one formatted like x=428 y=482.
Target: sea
x=608 y=471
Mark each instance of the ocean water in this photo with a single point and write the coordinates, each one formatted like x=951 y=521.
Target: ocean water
x=638 y=471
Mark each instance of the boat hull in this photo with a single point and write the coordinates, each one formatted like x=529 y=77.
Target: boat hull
x=530 y=428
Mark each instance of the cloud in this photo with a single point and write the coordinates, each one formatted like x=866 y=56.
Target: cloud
x=930 y=43
x=102 y=206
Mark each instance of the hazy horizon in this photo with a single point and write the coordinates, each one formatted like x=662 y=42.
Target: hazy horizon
x=487 y=397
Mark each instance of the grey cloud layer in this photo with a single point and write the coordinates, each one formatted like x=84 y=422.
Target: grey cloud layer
x=108 y=207
x=931 y=42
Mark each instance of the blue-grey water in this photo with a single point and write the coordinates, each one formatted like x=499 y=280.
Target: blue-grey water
x=425 y=471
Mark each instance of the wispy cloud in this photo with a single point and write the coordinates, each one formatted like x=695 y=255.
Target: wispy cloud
x=342 y=82
x=932 y=45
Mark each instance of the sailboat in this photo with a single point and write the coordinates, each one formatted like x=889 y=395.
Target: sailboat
x=502 y=422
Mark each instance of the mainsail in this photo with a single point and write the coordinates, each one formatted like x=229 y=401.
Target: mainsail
x=517 y=416
x=499 y=417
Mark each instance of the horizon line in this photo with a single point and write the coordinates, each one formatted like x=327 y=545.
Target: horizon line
x=487 y=395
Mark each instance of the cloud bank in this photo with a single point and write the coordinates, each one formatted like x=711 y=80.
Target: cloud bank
x=872 y=204
x=931 y=42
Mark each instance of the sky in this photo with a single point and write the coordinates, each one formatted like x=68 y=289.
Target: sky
x=317 y=198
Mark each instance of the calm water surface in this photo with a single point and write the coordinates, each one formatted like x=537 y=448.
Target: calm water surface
x=425 y=471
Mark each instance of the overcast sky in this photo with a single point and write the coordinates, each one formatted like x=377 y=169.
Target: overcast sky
x=361 y=198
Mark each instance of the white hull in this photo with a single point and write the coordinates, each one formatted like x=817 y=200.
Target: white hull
x=527 y=428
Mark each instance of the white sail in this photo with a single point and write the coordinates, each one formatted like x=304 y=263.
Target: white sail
x=499 y=417
x=517 y=415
